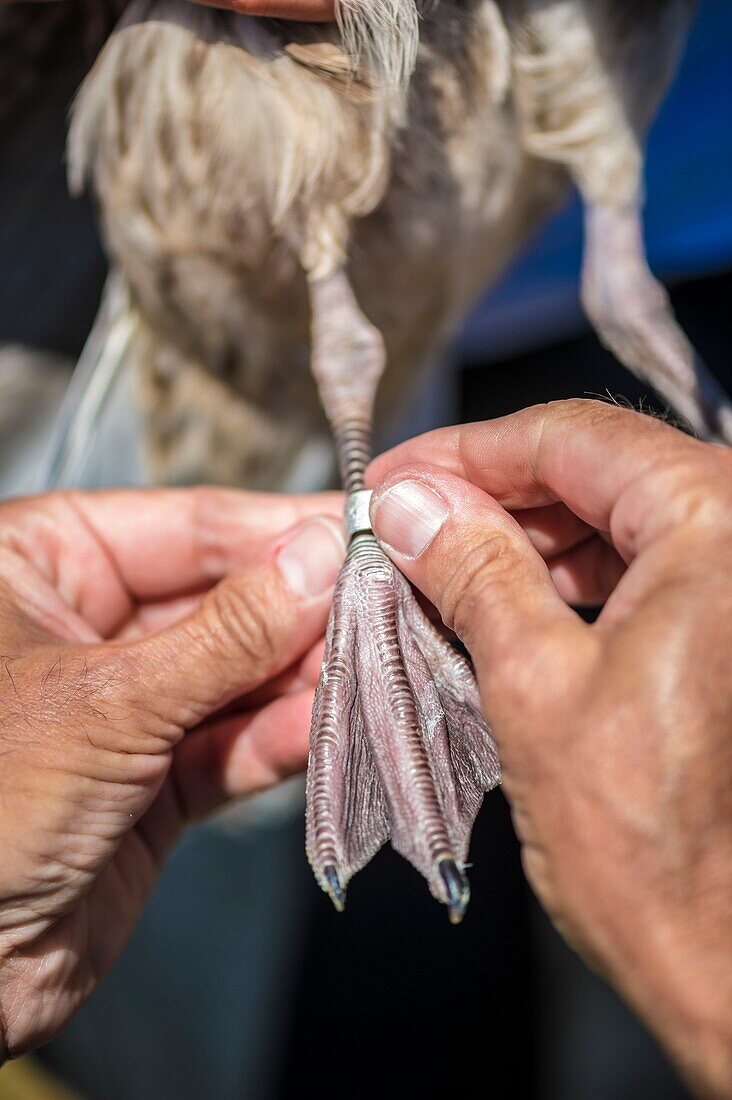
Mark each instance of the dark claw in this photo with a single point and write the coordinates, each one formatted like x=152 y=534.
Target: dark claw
x=336 y=893
x=399 y=747
x=458 y=891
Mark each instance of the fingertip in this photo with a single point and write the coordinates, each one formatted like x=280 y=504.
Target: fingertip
x=439 y=448
x=412 y=503
x=268 y=747
x=310 y=555
x=407 y=516
x=468 y=555
x=381 y=466
x=243 y=754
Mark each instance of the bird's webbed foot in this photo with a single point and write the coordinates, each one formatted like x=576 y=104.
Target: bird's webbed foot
x=399 y=747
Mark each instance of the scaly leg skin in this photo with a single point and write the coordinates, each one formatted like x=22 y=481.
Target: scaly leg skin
x=633 y=317
x=399 y=747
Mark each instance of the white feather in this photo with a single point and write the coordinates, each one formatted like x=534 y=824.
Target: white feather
x=383 y=34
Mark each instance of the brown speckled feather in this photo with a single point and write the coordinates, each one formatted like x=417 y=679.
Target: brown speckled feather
x=232 y=155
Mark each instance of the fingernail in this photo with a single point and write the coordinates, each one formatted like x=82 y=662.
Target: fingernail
x=309 y=561
x=408 y=516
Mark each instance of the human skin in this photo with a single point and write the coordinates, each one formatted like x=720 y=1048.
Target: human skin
x=317 y=11
x=615 y=738
x=138 y=690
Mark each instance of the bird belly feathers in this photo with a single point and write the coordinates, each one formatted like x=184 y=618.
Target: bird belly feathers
x=230 y=156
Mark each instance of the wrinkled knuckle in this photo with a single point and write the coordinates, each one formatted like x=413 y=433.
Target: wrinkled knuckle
x=594 y=413
x=474 y=579
x=702 y=498
x=569 y=407
x=589 y=411
x=244 y=626
x=211 y=529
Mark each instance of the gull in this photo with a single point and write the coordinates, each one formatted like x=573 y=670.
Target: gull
x=286 y=201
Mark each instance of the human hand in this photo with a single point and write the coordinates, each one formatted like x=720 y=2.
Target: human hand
x=318 y=11
x=136 y=692
x=615 y=738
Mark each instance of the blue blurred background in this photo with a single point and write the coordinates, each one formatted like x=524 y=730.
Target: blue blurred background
x=688 y=215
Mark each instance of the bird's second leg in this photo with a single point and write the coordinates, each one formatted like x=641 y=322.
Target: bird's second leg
x=399 y=746
x=633 y=316
x=587 y=107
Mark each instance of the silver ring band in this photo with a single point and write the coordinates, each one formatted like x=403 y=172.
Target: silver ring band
x=356 y=515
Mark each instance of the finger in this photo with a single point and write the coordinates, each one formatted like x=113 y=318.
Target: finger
x=97 y=555
x=243 y=753
x=167 y=541
x=471 y=558
x=153 y=617
x=316 y=11
x=588 y=573
x=553 y=529
x=585 y=453
x=303 y=674
x=251 y=627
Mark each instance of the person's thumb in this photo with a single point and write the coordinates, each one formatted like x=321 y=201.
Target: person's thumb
x=460 y=548
x=247 y=629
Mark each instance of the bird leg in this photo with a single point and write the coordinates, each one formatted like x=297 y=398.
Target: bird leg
x=399 y=747
x=633 y=317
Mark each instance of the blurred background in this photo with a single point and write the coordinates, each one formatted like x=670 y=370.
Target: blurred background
x=241 y=981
